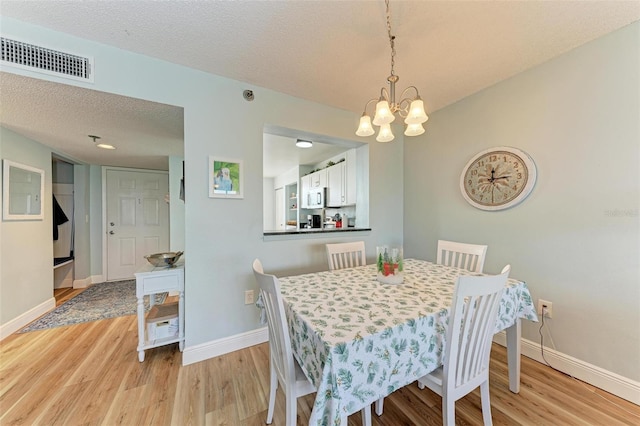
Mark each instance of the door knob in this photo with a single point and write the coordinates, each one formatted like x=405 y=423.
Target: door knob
x=111 y=232
x=112 y=224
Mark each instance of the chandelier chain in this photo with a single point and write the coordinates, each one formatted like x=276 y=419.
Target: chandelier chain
x=391 y=37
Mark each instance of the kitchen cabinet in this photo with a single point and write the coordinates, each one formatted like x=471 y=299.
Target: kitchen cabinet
x=305 y=186
x=311 y=181
x=319 y=179
x=341 y=182
x=335 y=185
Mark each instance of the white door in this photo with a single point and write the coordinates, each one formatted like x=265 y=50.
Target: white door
x=137 y=219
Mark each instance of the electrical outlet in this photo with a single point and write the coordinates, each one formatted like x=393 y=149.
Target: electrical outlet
x=248 y=297
x=548 y=307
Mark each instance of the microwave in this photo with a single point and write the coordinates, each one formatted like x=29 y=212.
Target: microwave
x=316 y=198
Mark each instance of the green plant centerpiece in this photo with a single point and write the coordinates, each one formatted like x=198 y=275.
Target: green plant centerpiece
x=390 y=267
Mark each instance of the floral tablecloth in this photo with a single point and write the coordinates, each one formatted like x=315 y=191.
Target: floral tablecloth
x=358 y=340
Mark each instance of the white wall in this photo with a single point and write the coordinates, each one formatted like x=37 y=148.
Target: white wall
x=575 y=240
x=222 y=237
x=26 y=272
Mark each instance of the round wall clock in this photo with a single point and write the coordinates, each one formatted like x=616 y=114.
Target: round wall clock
x=498 y=178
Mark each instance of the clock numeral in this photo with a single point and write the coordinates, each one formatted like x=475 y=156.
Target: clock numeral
x=473 y=191
x=515 y=187
x=519 y=175
x=470 y=182
x=515 y=164
x=480 y=163
x=474 y=172
x=493 y=158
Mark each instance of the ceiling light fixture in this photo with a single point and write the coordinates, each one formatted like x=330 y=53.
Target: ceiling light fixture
x=411 y=109
x=101 y=145
x=301 y=143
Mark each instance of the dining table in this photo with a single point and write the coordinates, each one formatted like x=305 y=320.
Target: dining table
x=358 y=339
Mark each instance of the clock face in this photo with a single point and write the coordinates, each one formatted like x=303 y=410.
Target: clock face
x=498 y=178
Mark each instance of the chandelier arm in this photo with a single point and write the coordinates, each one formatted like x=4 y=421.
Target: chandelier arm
x=405 y=91
x=364 y=112
x=384 y=95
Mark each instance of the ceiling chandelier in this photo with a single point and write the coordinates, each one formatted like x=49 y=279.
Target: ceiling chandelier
x=411 y=109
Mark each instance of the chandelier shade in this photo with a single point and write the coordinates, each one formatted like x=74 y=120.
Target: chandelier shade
x=385 y=134
x=414 y=129
x=365 y=128
x=409 y=108
x=416 y=113
x=383 y=114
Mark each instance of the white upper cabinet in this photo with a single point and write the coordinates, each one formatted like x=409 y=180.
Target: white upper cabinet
x=341 y=182
x=335 y=185
x=305 y=186
x=350 y=178
x=319 y=179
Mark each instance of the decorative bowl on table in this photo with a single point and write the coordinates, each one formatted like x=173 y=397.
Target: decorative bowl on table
x=164 y=259
x=390 y=266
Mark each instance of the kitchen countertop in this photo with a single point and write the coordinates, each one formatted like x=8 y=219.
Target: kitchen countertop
x=313 y=231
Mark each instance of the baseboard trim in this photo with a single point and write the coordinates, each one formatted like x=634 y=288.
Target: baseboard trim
x=86 y=282
x=20 y=321
x=606 y=380
x=223 y=346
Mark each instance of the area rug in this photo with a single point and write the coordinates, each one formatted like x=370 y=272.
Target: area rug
x=99 y=301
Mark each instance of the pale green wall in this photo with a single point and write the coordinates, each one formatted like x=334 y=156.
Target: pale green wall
x=82 y=240
x=176 y=205
x=26 y=271
x=222 y=237
x=575 y=240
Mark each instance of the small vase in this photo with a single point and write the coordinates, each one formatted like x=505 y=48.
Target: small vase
x=389 y=263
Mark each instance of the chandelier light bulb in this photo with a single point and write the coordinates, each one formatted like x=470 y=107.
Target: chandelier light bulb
x=383 y=114
x=414 y=129
x=365 y=128
x=385 y=134
x=416 y=113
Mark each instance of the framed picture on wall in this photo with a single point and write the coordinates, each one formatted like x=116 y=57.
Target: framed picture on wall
x=225 y=178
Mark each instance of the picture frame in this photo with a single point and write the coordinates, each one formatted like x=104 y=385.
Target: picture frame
x=22 y=192
x=226 y=178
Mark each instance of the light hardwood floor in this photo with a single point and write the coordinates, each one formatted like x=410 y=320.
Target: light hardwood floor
x=89 y=374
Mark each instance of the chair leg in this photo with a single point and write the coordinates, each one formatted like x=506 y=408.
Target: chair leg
x=379 y=406
x=448 y=411
x=273 y=387
x=291 y=407
x=366 y=416
x=486 y=403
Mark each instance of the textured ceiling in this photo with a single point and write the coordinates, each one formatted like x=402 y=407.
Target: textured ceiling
x=62 y=116
x=337 y=52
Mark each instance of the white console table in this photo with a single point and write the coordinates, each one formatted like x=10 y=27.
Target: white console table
x=149 y=281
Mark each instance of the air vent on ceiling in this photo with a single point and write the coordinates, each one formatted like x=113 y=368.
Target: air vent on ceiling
x=40 y=59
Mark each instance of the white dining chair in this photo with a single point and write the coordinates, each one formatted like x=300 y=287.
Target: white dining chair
x=468 y=344
x=461 y=255
x=346 y=255
x=284 y=369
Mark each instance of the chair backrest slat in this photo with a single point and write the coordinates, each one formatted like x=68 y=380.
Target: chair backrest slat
x=346 y=255
x=461 y=255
